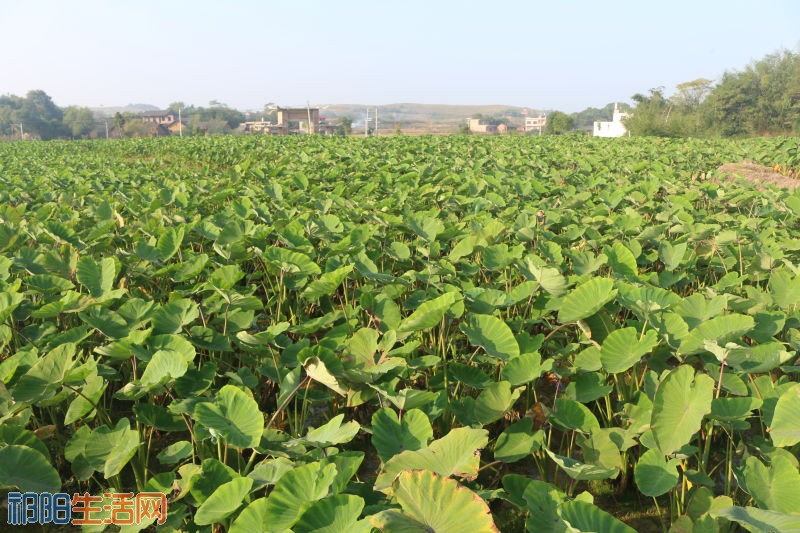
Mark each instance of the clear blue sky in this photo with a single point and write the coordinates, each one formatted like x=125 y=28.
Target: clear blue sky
x=555 y=55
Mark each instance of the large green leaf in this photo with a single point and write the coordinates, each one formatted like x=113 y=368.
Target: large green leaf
x=163 y=367
x=433 y=503
x=290 y=261
x=175 y=452
x=645 y=302
x=721 y=329
x=106 y=321
x=654 y=474
x=429 y=313
x=775 y=487
x=223 y=501
x=540 y=499
x=170 y=242
x=11 y=434
x=671 y=254
x=491 y=334
x=333 y=432
x=172 y=316
x=583 y=471
x=98 y=278
x=598 y=448
x=728 y=409
x=212 y=473
x=681 y=402
x=524 y=369
x=623 y=348
x=785 y=428
x=294 y=493
x=27 y=469
x=570 y=414
x=452 y=455
x=391 y=435
x=758 y=520
x=585 y=517
x=491 y=404
x=759 y=358
x=109 y=450
x=347 y=464
x=225 y=277
x=518 y=441
x=85 y=402
x=8 y=302
x=426 y=226
x=621 y=260
x=44 y=378
x=327 y=283
x=336 y=514
x=550 y=279
x=785 y=288
x=234 y=415
x=585 y=300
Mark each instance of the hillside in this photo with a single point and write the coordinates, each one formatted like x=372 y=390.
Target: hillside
x=130 y=108
x=408 y=114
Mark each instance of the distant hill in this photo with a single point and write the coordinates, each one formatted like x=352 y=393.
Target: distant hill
x=130 y=108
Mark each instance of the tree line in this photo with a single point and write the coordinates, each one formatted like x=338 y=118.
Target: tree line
x=36 y=116
x=761 y=99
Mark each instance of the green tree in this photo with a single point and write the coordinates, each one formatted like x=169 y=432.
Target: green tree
x=202 y=117
x=270 y=112
x=764 y=98
x=346 y=124
x=558 y=122
x=119 y=121
x=136 y=127
x=691 y=93
x=10 y=110
x=79 y=121
x=175 y=106
x=651 y=115
x=36 y=111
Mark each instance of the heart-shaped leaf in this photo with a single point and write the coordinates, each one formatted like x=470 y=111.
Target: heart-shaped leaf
x=233 y=414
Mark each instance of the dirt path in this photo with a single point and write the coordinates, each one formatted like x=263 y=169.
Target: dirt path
x=756 y=174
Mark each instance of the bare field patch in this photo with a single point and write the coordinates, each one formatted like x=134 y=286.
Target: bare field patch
x=756 y=174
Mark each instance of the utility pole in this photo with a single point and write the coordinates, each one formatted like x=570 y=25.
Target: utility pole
x=105 y=121
x=366 y=125
x=180 y=122
x=21 y=132
x=376 y=121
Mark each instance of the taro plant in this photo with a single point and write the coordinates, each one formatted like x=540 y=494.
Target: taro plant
x=482 y=334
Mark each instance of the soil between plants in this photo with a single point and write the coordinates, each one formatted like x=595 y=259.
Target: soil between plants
x=756 y=174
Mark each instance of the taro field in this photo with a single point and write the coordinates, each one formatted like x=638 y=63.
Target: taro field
x=404 y=334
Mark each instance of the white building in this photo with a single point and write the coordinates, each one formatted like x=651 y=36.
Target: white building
x=535 y=123
x=615 y=128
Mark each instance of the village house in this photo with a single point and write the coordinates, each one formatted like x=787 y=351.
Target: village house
x=477 y=125
x=536 y=123
x=260 y=126
x=159 y=117
x=615 y=128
